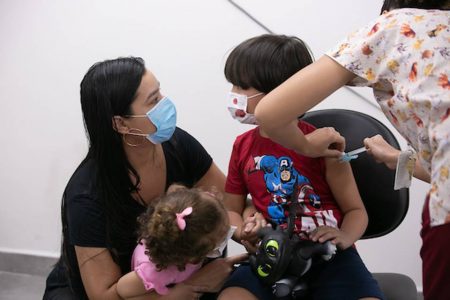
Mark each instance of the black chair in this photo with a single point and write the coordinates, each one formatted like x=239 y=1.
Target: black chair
x=376 y=186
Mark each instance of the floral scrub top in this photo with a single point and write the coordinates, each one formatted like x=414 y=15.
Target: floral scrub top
x=404 y=55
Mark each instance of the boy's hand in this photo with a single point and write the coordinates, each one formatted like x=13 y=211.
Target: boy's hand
x=249 y=231
x=334 y=235
x=251 y=226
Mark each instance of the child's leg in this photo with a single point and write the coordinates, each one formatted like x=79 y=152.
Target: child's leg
x=344 y=277
x=435 y=258
x=243 y=284
x=236 y=293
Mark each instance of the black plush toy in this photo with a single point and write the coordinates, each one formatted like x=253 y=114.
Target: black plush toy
x=282 y=258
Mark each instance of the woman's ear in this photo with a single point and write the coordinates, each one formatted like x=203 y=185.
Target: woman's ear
x=120 y=125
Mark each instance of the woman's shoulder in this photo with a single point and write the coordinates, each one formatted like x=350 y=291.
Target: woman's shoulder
x=82 y=182
x=414 y=13
x=180 y=132
x=408 y=22
x=180 y=136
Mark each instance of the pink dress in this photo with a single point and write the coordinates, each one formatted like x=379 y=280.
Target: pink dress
x=154 y=279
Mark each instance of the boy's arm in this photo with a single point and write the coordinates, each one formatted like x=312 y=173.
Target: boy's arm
x=249 y=210
x=343 y=186
x=247 y=220
x=235 y=204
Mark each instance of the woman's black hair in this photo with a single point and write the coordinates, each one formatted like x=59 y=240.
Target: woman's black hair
x=265 y=61
x=107 y=90
x=422 y=4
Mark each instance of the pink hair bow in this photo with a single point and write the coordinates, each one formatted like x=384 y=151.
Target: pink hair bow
x=181 y=222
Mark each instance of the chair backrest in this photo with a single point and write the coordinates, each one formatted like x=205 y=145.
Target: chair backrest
x=385 y=206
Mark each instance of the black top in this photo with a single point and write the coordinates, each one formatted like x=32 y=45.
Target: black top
x=186 y=163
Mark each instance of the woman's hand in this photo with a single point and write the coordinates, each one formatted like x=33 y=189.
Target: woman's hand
x=326 y=233
x=212 y=276
x=182 y=291
x=381 y=151
x=326 y=142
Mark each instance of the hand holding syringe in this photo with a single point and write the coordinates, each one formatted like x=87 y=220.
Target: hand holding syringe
x=348 y=156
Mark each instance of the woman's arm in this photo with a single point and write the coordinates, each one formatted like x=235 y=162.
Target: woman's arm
x=214 y=177
x=99 y=272
x=343 y=186
x=210 y=278
x=234 y=204
x=278 y=110
x=102 y=279
x=384 y=153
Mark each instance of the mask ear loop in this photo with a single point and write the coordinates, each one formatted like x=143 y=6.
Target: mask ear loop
x=137 y=132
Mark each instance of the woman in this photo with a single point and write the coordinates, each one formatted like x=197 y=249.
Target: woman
x=135 y=152
x=404 y=55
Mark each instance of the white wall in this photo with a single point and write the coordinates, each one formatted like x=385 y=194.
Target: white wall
x=47 y=46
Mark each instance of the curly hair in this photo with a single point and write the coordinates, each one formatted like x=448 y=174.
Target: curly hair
x=423 y=4
x=166 y=244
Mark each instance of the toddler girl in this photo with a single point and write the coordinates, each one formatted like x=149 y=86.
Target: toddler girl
x=176 y=235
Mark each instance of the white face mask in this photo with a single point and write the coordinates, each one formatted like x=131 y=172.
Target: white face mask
x=237 y=105
x=217 y=252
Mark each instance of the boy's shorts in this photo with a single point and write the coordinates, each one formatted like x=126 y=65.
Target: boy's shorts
x=343 y=277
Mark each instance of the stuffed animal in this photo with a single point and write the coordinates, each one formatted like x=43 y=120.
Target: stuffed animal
x=282 y=259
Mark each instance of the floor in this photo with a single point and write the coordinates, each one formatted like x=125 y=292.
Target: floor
x=16 y=286
x=22 y=277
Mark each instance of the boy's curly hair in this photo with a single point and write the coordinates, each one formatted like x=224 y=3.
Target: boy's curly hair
x=165 y=243
x=423 y=4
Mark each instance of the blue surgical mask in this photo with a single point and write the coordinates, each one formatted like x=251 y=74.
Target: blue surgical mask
x=164 y=116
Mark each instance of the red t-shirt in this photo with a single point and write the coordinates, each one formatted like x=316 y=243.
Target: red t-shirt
x=270 y=172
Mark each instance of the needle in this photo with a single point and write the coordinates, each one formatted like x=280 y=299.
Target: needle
x=352 y=154
x=356 y=151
